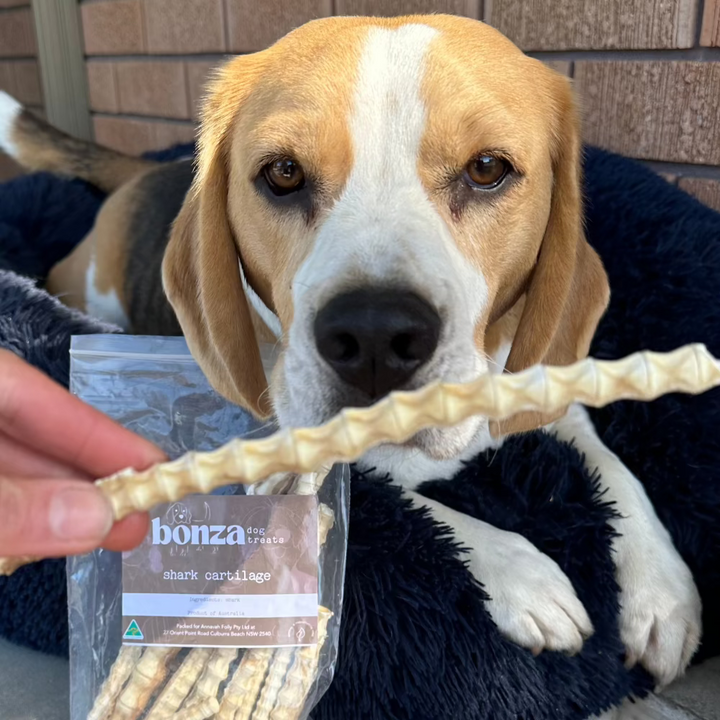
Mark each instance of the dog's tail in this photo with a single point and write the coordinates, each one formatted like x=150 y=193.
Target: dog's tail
x=37 y=146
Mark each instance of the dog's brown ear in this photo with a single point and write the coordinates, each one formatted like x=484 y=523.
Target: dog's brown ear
x=201 y=275
x=568 y=290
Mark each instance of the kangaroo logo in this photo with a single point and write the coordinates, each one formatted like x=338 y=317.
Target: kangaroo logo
x=133 y=632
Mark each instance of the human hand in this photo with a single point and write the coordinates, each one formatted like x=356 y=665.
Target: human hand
x=52 y=446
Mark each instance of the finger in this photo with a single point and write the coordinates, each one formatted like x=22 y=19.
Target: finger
x=42 y=414
x=52 y=518
x=20 y=461
x=128 y=533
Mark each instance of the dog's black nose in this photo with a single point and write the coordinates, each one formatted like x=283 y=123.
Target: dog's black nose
x=375 y=340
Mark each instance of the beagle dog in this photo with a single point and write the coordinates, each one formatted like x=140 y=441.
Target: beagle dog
x=394 y=201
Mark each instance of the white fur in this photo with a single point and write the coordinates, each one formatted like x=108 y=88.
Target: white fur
x=499 y=360
x=532 y=601
x=105 y=306
x=270 y=319
x=410 y=467
x=385 y=231
x=10 y=108
x=660 y=618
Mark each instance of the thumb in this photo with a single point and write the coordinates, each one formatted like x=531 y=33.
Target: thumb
x=51 y=518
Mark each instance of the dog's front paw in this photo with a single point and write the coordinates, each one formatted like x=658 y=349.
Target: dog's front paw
x=532 y=601
x=660 y=614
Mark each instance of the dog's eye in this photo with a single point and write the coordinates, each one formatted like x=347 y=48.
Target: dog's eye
x=486 y=172
x=284 y=176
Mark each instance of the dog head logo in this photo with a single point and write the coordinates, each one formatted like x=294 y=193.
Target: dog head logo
x=178 y=523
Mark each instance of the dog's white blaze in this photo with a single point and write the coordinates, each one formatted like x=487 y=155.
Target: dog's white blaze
x=10 y=108
x=385 y=231
x=105 y=306
x=385 y=228
x=387 y=126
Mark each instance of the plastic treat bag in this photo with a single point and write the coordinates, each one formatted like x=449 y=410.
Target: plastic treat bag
x=201 y=653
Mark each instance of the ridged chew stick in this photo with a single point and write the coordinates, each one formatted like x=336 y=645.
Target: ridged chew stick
x=213 y=674
x=243 y=690
x=273 y=683
x=148 y=676
x=198 y=711
x=121 y=670
x=298 y=682
x=595 y=383
x=643 y=376
x=180 y=685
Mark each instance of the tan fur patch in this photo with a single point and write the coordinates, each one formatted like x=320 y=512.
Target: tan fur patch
x=502 y=331
x=41 y=147
x=301 y=110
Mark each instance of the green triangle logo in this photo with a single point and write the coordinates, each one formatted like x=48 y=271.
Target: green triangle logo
x=133 y=632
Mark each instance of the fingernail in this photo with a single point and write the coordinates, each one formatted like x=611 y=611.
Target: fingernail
x=79 y=515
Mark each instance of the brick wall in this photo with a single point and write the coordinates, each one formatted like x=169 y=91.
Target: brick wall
x=647 y=71
x=19 y=73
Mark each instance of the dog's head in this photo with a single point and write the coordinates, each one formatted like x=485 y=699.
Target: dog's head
x=178 y=514
x=404 y=196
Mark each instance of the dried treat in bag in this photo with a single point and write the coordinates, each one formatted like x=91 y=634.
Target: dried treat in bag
x=223 y=551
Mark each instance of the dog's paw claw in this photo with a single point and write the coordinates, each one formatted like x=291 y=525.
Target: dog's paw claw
x=532 y=601
x=661 y=614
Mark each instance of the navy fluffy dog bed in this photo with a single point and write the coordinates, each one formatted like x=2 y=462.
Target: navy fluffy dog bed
x=416 y=640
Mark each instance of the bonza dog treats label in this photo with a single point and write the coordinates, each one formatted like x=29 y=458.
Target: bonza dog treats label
x=217 y=571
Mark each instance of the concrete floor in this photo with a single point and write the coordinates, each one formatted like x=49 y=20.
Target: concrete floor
x=694 y=697
x=35 y=687
x=698 y=693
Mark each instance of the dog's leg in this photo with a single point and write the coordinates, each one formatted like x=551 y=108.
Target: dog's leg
x=660 y=620
x=532 y=601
